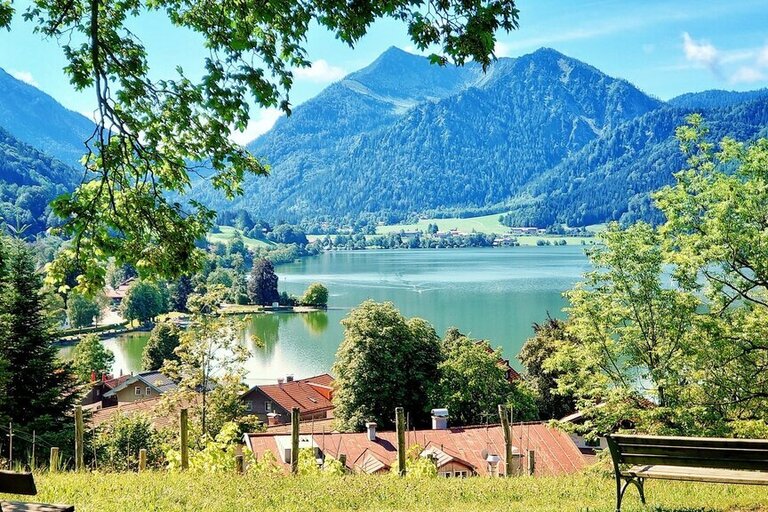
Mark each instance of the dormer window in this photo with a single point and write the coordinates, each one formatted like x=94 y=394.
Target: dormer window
x=137 y=390
x=149 y=391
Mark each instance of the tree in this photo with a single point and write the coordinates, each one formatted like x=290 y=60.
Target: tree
x=210 y=361
x=143 y=302
x=39 y=390
x=315 y=295
x=534 y=354
x=384 y=361
x=179 y=291
x=161 y=346
x=90 y=357
x=81 y=311
x=632 y=336
x=262 y=285
x=472 y=383
x=717 y=239
x=150 y=130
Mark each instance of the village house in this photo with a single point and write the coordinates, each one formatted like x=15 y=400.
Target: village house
x=95 y=398
x=116 y=295
x=509 y=373
x=272 y=403
x=458 y=452
x=142 y=386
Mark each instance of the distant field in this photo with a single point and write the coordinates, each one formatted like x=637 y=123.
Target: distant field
x=228 y=233
x=177 y=492
x=484 y=224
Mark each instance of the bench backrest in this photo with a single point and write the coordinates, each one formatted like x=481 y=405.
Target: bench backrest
x=702 y=452
x=17 y=483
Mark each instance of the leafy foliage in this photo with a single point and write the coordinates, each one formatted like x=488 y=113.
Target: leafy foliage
x=117 y=441
x=384 y=361
x=144 y=301
x=262 y=285
x=90 y=357
x=161 y=346
x=81 y=311
x=315 y=295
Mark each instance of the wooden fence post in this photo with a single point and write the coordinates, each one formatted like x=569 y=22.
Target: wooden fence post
x=295 y=417
x=400 y=421
x=79 y=448
x=142 y=460
x=54 y=462
x=239 y=464
x=531 y=462
x=508 y=455
x=184 y=425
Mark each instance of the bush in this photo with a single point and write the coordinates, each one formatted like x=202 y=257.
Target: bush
x=116 y=443
x=315 y=295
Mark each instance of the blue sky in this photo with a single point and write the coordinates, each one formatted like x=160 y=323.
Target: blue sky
x=665 y=48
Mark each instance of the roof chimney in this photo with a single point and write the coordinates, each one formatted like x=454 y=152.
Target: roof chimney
x=280 y=380
x=289 y=377
x=439 y=419
x=273 y=419
x=371 y=426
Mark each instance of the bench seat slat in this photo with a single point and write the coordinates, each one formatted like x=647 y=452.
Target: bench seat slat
x=15 y=506
x=690 y=451
x=698 y=474
x=698 y=442
x=703 y=462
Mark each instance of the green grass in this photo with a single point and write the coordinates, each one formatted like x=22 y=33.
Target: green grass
x=228 y=233
x=173 y=492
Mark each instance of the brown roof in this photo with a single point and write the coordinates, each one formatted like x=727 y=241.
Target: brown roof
x=555 y=451
x=148 y=407
x=305 y=427
x=310 y=395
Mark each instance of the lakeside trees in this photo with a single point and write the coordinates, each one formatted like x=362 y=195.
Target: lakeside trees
x=91 y=358
x=262 y=285
x=669 y=329
x=161 y=346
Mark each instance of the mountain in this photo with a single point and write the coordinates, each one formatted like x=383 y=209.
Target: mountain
x=30 y=180
x=403 y=136
x=35 y=118
x=716 y=98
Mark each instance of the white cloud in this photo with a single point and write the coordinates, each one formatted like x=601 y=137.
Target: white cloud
x=257 y=127
x=747 y=75
x=320 y=72
x=502 y=49
x=701 y=53
x=762 y=58
x=25 y=76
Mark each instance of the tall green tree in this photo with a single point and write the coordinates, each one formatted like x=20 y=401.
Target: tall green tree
x=210 y=362
x=90 y=357
x=143 y=302
x=151 y=130
x=81 y=311
x=262 y=285
x=39 y=390
x=547 y=336
x=385 y=361
x=716 y=236
x=179 y=291
x=315 y=295
x=633 y=335
x=472 y=384
x=161 y=346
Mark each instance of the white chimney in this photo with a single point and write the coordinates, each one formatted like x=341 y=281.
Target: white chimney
x=371 y=426
x=439 y=419
x=280 y=380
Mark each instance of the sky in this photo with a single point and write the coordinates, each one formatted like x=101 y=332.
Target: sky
x=666 y=48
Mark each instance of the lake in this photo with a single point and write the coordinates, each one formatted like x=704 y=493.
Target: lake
x=490 y=293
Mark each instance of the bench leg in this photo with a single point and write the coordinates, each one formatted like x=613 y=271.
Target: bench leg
x=621 y=489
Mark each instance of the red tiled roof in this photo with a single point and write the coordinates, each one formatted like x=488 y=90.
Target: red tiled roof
x=310 y=394
x=147 y=407
x=305 y=427
x=555 y=451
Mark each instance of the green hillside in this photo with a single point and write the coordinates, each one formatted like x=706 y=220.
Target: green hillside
x=227 y=233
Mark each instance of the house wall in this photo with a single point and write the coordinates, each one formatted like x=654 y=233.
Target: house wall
x=129 y=393
x=256 y=404
x=455 y=469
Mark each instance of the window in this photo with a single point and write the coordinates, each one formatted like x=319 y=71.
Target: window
x=268 y=406
x=446 y=474
x=249 y=406
x=460 y=474
x=149 y=390
x=137 y=391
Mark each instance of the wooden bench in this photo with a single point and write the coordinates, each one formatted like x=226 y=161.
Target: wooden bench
x=695 y=459
x=24 y=483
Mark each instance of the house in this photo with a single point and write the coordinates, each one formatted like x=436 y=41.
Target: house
x=457 y=451
x=99 y=387
x=116 y=295
x=272 y=403
x=150 y=408
x=142 y=386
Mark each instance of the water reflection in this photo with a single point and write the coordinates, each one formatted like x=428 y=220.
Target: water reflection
x=316 y=322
